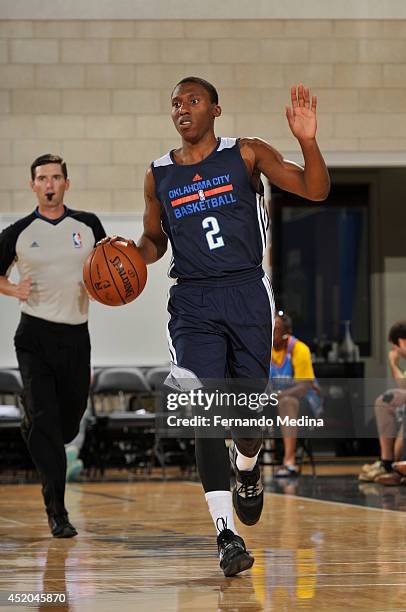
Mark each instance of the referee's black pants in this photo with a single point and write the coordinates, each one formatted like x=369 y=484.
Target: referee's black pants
x=54 y=361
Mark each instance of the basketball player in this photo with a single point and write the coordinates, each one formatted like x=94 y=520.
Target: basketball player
x=206 y=197
x=52 y=342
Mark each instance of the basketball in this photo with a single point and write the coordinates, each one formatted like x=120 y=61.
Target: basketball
x=115 y=273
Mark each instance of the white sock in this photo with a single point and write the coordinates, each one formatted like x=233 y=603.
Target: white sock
x=221 y=507
x=246 y=464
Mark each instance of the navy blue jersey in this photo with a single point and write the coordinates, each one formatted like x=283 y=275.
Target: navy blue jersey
x=216 y=222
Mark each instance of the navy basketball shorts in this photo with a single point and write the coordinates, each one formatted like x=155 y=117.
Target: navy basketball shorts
x=219 y=332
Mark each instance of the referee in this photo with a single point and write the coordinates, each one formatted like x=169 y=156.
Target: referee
x=52 y=343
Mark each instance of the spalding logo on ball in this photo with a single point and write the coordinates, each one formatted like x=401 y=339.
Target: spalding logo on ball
x=115 y=273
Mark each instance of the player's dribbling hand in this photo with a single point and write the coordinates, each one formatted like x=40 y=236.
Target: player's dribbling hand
x=302 y=115
x=114 y=239
x=103 y=240
x=23 y=289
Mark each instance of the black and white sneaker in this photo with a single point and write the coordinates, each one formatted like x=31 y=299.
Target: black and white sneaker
x=60 y=526
x=248 y=493
x=234 y=557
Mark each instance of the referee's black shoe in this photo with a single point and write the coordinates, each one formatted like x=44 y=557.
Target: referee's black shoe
x=248 y=494
x=234 y=557
x=60 y=526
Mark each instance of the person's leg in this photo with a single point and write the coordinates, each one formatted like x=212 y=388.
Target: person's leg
x=201 y=349
x=248 y=450
x=390 y=474
x=289 y=407
x=73 y=449
x=41 y=429
x=249 y=322
x=198 y=344
x=400 y=461
x=387 y=429
x=398 y=450
x=73 y=389
x=73 y=379
x=41 y=426
x=214 y=470
x=79 y=440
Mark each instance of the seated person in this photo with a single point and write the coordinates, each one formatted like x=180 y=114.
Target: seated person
x=389 y=409
x=291 y=361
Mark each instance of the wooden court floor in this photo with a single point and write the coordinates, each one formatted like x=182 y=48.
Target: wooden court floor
x=150 y=547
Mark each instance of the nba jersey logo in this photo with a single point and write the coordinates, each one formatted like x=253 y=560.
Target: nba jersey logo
x=77 y=240
x=202 y=197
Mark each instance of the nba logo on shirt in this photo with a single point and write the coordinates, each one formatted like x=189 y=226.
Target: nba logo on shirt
x=202 y=197
x=77 y=240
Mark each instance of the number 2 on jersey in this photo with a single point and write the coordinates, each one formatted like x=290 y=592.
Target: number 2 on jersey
x=214 y=240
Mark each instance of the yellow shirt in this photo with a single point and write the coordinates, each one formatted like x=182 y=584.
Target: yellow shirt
x=301 y=360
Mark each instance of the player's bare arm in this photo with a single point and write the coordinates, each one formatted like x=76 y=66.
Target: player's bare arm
x=311 y=181
x=394 y=364
x=21 y=290
x=153 y=242
x=297 y=390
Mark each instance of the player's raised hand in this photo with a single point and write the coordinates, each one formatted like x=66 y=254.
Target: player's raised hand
x=23 y=289
x=301 y=115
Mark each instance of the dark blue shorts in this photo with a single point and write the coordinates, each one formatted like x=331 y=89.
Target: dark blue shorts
x=222 y=332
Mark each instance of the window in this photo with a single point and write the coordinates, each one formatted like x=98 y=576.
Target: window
x=320 y=263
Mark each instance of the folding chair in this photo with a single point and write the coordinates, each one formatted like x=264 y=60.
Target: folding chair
x=13 y=452
x=123 y=428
